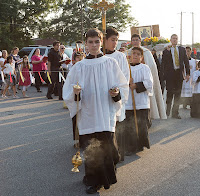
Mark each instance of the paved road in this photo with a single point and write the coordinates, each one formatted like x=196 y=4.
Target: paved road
x=36 y=148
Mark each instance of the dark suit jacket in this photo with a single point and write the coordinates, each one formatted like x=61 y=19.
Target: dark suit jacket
x=168 y=66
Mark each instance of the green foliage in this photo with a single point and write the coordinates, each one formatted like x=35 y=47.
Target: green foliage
x=67 y=26
x=196 y=45
x=19 y=20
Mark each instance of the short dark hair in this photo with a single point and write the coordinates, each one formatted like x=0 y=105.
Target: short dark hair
x=136 y=35
x=94 y=33
x=35 y=50
x=139 y=49
x=111 y=31
x=75 y=55
x=188 y=47
x=174 y=35
x=56 y=42
x=198 y=64
x=79 y=42
x=8 y=58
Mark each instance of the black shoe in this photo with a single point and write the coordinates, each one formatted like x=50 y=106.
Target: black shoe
x=60 y=98
x=49 y=97
x=92 y=189
x=176 y=116
x=39 y=91
x=140 y=149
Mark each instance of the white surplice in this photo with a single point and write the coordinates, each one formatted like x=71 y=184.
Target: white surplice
x=97 y=110
x=157 y=106
x=123 y=64
x=187 y=86
x=141 y=73
x=195 y=84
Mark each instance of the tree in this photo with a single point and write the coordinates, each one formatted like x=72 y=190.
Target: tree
x=196 y=45
x=66 y=27
x=20 y=20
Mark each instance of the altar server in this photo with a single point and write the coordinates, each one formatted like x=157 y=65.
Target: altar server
x=195 y=106
x=103 y=90
x=141 y=83
x=157 y=110
x=186 y=92
x=112 y=36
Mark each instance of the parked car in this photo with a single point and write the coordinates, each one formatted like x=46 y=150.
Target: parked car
x=44 y=50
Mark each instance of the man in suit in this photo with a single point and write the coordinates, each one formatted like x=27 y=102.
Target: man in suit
x=173 y=61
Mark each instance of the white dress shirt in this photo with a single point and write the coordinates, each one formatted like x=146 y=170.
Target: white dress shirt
x=196 y=85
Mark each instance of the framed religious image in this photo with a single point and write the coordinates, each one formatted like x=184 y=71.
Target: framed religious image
x=145 y=31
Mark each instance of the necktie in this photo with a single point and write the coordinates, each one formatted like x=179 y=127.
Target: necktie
x=176 y=57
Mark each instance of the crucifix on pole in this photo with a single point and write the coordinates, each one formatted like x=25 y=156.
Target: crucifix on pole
x=103 y=6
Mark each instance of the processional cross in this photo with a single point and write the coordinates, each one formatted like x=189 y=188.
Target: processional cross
x=103 y=6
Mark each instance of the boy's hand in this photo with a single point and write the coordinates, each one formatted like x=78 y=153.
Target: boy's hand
x=132 y=86
x=77 y=90
x=114 y=92
x=187 y=78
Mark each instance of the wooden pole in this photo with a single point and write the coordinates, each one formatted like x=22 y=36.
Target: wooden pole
x=104 y=30
x=133 y=100
x=103 y=7
x=76 y=127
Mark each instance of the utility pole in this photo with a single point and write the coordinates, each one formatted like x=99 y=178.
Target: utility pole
x=181 y=28
x=192 y=29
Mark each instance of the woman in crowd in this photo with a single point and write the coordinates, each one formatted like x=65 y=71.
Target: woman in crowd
x=2 y=61
x=39 y=68
x=16 y=59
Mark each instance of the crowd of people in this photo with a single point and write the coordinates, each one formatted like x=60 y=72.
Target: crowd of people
x=119 y=94
x=113 y=97
x=17 y=74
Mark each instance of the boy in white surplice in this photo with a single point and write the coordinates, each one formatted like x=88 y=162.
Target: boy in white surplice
x=186 y=92
x=112 y=37
x=195 y=106
x=142 y=85
x=103 y=90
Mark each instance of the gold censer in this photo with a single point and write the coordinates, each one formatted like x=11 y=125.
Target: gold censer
x=76 y=161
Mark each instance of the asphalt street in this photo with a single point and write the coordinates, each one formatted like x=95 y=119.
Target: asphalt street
x=36 y=148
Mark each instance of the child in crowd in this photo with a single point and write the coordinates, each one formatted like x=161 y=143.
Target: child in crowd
x=141 y=83
x=76 y=58
x=10 y=77
x=195 y=107
x=25 y=81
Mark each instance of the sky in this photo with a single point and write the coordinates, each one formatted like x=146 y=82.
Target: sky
x=167 y=15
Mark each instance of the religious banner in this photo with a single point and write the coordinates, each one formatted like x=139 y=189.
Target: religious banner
x=146 y=31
